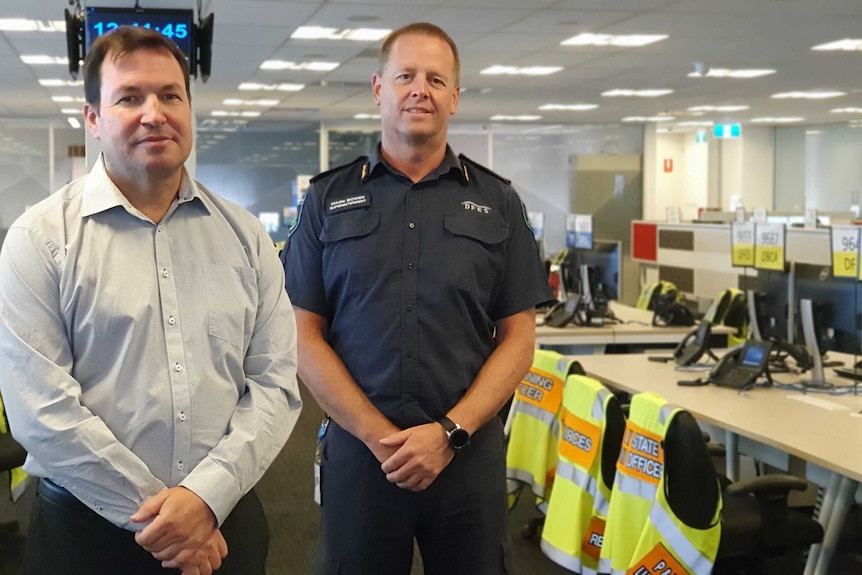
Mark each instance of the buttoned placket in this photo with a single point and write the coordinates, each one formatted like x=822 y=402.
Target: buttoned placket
x=409 y=299
x=180 y=392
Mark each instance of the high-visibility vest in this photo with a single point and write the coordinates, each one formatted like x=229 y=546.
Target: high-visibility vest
x=642 y=534
x=574 y=526
x=18 y=478
x=531 y=456
x=660 y=287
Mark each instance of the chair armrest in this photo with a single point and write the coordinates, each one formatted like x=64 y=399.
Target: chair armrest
x=767 y=483
x=12 y=455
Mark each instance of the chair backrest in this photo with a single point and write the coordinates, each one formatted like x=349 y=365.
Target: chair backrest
x=649 y=293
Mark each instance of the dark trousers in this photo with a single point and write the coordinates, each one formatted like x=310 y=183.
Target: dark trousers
x=368 y=525
x=66 y=537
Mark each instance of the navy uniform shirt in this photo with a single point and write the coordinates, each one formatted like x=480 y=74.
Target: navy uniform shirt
x=411 y=277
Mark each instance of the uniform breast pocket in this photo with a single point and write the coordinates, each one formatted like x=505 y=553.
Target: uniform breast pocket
x=351 y=257
x=232 y=302
x=475 y=251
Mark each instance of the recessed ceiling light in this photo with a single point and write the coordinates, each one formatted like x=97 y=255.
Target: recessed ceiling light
x=847 y=111
x=811 y=95
x=779 y=120
x=261 y=103
x=321 y=33
x=73 y=122
x=311 y=66
x=728 y=73
x=648 y=119
x=569 y=107
x=636 y=93
x=71 y=111
x=730 y=108
x=704 y=124
x=846 y=45
x=66 y=99
x=23 y=25
x=42 y=59
x=366 y=117
x=54 y=82
x=524 y=70
x=620 y=40
x=234 y=114
x=522 y=118
x=271 y=87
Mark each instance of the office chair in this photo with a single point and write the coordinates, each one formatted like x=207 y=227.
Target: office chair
x=760 y=534
x=12 y=455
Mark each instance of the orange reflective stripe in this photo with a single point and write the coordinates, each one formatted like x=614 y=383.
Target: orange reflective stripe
x=579 y=441
x=658 y=561
x=641 y=455
x=593 y=538
x=542 y=389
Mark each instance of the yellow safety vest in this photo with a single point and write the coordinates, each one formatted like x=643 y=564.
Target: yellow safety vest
x=531 y=455
x=659 y=287
x=18 y=478
x=575 y=522
x=642 y=535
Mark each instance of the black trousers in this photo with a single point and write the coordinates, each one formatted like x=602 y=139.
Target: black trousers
x=368 y=525
x=66 y=537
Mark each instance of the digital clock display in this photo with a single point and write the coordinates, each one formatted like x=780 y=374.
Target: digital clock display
x=178 y=25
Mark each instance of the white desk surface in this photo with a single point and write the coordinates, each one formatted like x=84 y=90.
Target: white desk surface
x=820 y=428
x=636 y=329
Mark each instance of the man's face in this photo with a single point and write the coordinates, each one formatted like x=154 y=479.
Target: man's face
x=417 y=91
x=144 y=118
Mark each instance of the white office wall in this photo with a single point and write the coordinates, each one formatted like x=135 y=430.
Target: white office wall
x=686 y=185
x=789 y=170
x=758 y=166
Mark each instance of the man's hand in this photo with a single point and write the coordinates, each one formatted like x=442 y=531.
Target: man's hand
x=182 y=532
x=422 y=453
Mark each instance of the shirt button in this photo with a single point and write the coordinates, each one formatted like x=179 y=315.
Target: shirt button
x=178 y=367
x=410 y=307
x=172 y=320
x=410 y=266
x=165 y=273
x=180 y=466
x=411 y=225
x=182 y=416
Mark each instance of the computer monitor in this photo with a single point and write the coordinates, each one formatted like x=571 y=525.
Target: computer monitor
x=835 y=308
x=769 y=312
x=603 y=263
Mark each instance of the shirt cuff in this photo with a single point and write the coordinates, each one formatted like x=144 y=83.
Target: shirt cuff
x=216 y=486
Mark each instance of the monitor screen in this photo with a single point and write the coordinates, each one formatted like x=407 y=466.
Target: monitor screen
x=753 y=356
x=604 y=260
x=836 y=307
x=176 y=24
x=771 y=309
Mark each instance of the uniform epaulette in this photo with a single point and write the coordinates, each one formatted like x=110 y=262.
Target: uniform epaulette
x=360 y=159
x=478 y=166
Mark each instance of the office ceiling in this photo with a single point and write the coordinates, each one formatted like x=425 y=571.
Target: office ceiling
x=774 y=34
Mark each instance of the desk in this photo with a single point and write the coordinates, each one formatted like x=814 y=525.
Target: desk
x=636 y=328
x=824 y=430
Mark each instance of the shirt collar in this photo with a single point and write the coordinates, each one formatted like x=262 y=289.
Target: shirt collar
x=101 y=194
x=376 y=163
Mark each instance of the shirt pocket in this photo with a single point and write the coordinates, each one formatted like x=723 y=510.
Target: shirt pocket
x=475 y=251
x=231 y=302
x=351 y=255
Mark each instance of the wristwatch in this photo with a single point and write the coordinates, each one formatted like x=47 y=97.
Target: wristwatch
x=459 y=437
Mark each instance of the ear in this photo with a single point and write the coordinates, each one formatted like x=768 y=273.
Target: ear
x=376 y=86
x=91 y=116
x=455 y=99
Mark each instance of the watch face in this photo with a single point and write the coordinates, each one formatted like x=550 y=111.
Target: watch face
x=459 y=439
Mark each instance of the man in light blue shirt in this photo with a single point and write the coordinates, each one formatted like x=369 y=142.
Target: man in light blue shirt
x=147 y=344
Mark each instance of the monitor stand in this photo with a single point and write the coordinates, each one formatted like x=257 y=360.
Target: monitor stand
x=806 y=314
x=753 y=324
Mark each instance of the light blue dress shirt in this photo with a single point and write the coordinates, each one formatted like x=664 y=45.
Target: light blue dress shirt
x=135 y=355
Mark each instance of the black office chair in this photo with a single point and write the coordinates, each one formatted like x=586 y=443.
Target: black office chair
x=12 y=455
x=760 y=534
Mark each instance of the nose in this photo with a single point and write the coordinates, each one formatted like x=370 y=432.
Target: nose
x=151 y=111
x=420 y=86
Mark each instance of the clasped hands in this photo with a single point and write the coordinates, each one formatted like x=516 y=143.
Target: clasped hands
x=413 y=458
x=183 y=533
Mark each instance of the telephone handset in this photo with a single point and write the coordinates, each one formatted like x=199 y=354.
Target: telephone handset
x=563 y=312
x=741 y=367
x=693 y=345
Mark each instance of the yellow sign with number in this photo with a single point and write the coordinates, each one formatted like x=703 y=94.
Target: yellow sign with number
x=743 y=255
x=769 y=258
x=845 y=251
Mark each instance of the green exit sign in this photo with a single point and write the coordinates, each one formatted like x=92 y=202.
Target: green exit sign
x=726 y=131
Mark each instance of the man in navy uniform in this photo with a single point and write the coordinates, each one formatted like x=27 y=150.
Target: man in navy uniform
x=414 y=276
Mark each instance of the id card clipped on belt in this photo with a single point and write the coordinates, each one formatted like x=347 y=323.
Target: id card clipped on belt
x=318 y=457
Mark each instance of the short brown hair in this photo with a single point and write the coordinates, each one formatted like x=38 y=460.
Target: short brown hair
x=424 y=29
x=125 y=40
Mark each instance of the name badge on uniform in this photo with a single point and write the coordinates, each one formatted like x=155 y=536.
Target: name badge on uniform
x=337 y=205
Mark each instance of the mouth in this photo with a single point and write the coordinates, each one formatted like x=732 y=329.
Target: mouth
x=420 y=111
x=154 y=140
